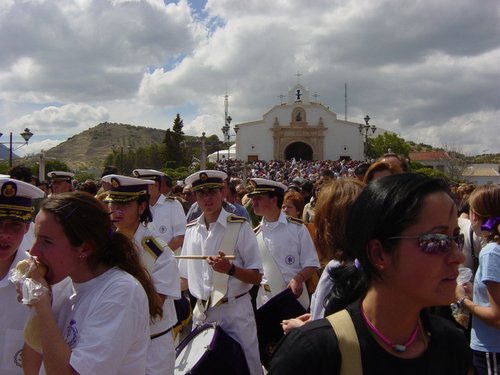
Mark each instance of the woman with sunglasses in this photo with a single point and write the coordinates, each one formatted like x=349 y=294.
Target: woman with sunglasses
x=484 y=302
x=403 y=233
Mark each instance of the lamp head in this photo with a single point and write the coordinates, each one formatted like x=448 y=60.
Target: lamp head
x=26 y=134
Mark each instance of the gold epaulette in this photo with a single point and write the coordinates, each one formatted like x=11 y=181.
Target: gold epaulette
x=152 y=246
x=294 y=220
x=235 y=219
x=256 y=229
x=191 y=223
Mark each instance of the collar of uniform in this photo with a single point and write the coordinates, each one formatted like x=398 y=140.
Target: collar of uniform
x=222 y=219
x=161 y=200
x=281 y=219
x=140 y=233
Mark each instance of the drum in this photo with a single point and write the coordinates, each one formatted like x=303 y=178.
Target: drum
x=209 y=350
x=282 y=306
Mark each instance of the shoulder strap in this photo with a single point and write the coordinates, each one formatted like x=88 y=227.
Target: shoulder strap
x=348 y=343
x=475 y=260
x=227 y=245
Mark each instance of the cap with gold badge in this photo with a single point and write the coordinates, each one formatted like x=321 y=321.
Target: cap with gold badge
x=262 y=186
x=206 y=179
x=16 y=199
x=124 y=188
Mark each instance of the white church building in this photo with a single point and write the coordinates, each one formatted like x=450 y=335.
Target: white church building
x=300 y=129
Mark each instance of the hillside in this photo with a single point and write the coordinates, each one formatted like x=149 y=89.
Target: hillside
x=90 y=147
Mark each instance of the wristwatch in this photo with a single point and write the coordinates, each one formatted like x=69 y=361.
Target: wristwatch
x=231 y=270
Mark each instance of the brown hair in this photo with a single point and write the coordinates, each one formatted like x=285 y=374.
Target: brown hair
x=297 y=200
x=85 y=218
x=331 y=214
x=378 y=167
x=485 y=202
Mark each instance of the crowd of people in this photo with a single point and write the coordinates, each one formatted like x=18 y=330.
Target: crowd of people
x=283 y=267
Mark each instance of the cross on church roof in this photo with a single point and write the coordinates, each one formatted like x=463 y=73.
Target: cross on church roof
x=281 y=96
x=315 y=96
x=298 y=94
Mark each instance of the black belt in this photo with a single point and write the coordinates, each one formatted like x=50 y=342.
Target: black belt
x=156 y=335
x=223 y=300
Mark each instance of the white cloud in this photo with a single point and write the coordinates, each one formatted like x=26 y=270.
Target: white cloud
x=67 y=119
x=427 y=70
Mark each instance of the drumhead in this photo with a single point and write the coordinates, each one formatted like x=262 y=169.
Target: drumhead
x=194 y=349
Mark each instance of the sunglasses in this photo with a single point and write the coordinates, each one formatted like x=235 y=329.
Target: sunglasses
x=434 y=243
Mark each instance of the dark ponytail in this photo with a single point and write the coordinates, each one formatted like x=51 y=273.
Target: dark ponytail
x=349 y=285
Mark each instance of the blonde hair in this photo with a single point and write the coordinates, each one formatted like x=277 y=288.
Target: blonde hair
x=485 y=202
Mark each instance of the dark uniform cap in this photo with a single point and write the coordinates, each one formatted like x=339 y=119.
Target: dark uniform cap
x=60 y=175
x=16 y=199
x=124 y=188
x=262 y=186
x=206 y=179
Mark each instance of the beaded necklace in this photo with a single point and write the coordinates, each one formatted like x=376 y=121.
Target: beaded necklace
x=400 y=348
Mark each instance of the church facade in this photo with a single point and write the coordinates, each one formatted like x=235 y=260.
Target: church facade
x=300 y=129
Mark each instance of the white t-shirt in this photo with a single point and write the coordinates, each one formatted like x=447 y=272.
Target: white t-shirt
x=105 y=322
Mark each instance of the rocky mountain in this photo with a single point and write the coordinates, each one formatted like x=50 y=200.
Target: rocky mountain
x=90 y=147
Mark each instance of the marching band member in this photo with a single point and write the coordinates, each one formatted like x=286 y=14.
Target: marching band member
x=60 y=181
x=129 y=208
x=220 y=285
x=287 y=239
x=169 y=219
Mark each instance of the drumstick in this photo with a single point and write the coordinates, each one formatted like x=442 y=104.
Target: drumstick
x=230 y=257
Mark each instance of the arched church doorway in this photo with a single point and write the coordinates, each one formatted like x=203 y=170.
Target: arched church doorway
x=298 y=150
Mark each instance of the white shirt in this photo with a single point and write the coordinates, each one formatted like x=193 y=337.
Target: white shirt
x=323 y=288
x=105 y=322
x=465 y=229
x=202 y=241
x=169 y=219
x=12 y=319
x=290 y=244
x=165 y=275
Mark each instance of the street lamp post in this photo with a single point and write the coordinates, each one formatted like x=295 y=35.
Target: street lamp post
x=226 y=130
x=26 y=134
x=363 y=130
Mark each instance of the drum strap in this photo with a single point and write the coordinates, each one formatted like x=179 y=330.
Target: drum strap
x=220 y=280
x=348 y=343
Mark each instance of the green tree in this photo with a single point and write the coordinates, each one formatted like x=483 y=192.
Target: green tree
x=388 y=141
x=174 y=152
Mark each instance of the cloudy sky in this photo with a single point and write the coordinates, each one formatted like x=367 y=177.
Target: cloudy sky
x=428 y=70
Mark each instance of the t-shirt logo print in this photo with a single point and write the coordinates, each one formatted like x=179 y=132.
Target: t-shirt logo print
x=289 y=259
x=72 y=335
x=18 y=358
